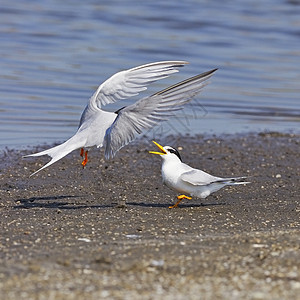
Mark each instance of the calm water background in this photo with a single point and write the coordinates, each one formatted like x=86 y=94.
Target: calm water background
x=54 y=54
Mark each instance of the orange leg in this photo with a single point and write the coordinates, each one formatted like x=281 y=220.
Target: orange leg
x=85 y=158
x=180 y=198
x=81 y=152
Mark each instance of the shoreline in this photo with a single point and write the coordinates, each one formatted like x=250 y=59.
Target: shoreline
x=64 y=236
x=162 y=135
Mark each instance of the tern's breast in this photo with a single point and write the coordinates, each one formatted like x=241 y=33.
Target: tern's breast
x=94 y=128
x=171 y=177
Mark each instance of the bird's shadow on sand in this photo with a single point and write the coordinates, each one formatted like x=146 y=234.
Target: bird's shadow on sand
x=163 y=205
x=53 y=202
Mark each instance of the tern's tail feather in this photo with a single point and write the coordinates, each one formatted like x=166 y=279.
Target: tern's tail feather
x=234 y=180
x=57 y=152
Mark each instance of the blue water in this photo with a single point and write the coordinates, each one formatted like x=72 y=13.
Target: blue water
x=54 y=54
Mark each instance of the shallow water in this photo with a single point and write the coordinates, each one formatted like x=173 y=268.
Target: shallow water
x=54 y=54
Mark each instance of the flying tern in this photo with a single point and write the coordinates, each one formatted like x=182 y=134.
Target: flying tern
x=185 y=179
x=114 y=130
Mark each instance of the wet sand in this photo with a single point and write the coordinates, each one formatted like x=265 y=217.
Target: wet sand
x=106 y=232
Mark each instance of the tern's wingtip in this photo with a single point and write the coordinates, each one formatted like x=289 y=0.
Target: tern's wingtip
x=213 y=71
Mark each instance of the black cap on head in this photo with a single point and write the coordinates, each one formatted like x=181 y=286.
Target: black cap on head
x=175 y=151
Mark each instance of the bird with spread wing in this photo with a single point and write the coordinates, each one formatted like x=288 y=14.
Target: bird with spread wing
x=114 y=130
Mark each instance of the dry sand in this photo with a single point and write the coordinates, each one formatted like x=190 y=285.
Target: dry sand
x=67 y=233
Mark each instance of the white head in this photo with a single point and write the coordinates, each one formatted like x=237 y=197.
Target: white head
x=167 y=153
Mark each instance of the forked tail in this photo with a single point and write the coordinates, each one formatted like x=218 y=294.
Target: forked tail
x=58 y=152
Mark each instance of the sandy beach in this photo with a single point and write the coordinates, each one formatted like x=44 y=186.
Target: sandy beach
x=106 y=232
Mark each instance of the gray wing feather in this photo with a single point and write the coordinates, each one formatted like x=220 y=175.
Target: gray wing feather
x=199 y=177
x=129 y=83
x=147 y=112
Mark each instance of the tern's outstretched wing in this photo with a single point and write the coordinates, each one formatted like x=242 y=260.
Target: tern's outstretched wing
x=129 y=83
x=147 y=112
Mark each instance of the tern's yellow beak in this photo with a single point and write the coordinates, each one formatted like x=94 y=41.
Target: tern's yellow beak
x=160 y=148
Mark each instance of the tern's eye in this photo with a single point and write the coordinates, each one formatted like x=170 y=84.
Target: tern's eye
x=174 y=151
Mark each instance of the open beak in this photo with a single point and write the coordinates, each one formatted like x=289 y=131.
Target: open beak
x=160 y=148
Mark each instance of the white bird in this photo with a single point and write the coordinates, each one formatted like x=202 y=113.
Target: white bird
x=185 y=179
x=117 y=129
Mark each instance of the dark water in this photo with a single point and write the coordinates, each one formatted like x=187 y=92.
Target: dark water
x=53 y=55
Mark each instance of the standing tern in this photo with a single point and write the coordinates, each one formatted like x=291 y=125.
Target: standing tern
x=185 y=179
x=98 y=127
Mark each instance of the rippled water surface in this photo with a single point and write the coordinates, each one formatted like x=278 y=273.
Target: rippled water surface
x=54 y=54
